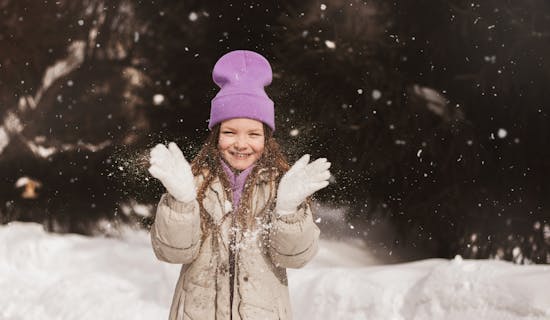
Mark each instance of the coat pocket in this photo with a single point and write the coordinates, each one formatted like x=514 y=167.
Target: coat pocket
x=199 y=302
x=250 y=311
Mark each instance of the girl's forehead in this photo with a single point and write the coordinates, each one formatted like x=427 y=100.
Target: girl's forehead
x=242 y=123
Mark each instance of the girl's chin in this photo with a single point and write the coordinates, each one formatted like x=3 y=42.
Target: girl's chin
x=240 y=164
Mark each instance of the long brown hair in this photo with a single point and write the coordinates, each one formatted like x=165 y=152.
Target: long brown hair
x=208 y=163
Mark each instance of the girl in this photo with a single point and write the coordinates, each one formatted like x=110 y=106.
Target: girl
x=238 y=216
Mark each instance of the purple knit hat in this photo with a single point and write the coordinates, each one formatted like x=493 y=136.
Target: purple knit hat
x=242 y=76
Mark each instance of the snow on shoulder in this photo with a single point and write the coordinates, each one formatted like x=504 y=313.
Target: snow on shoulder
x=50 y=276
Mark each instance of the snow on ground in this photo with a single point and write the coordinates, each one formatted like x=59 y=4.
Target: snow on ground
x=51 y=276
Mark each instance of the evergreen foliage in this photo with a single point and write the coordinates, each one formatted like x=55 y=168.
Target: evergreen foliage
x=434 y=114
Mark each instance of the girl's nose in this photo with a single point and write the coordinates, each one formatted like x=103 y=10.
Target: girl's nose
x=239 y=144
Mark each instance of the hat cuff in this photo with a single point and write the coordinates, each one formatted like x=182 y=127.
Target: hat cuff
x=242 y=106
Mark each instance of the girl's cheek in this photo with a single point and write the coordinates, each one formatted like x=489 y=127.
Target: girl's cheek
x=224 y=142
x=259 y=147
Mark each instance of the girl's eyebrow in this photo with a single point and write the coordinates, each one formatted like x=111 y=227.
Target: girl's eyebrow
x=233 y=129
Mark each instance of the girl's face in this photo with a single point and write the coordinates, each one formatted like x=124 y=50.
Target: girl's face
x=241 y=142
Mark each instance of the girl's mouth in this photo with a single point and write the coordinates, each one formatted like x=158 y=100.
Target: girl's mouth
x=240 y=155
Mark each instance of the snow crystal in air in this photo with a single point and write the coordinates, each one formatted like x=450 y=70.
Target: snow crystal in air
x=376 y=94
x=4 y=139
x=158 y=99
x=502 y=133
x=490 y=59
x=330 y=44
x=546 y=232
x=400 y=142
x=193 y=16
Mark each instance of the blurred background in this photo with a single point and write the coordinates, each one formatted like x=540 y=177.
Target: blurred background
x=434 y=114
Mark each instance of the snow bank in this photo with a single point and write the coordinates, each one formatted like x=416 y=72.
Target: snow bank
x=428 y=289
x=50 y=276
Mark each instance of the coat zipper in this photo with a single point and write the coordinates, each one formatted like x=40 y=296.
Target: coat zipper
x=232 y=249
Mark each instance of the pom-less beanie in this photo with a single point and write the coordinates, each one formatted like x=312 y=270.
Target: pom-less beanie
x=242 y=76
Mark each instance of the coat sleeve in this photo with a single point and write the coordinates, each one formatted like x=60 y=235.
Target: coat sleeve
x=176 y=232
x=294 y=238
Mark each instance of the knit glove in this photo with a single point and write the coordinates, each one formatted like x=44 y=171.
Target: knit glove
x=171 y=168
x=301 y=181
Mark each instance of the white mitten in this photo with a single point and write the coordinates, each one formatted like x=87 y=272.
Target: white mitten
x=301 y=181
x=171 y=168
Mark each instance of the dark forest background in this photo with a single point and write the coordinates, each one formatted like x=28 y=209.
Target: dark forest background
x=434 y=114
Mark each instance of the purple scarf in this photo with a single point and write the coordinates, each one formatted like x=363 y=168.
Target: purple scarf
x=237 y=182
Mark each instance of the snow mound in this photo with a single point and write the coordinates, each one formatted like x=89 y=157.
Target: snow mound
x=51 y=276
x=428 y=289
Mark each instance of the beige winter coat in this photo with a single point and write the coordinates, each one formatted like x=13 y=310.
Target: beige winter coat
x=262 y=255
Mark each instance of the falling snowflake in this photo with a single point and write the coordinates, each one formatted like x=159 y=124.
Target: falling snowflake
x=158 y=99
x=330 y=44
x=376 y=94
x=490 y=59
x=400 y=142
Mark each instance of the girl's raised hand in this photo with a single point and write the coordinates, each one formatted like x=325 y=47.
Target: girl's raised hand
x=170 y=167
x=301 y=181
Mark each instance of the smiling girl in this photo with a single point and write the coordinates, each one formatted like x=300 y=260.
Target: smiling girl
x=238 y=216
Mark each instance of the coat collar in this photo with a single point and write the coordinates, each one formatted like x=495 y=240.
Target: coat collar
x=263 y=175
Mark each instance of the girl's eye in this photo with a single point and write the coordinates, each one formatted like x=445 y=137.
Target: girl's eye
x=227 y=132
